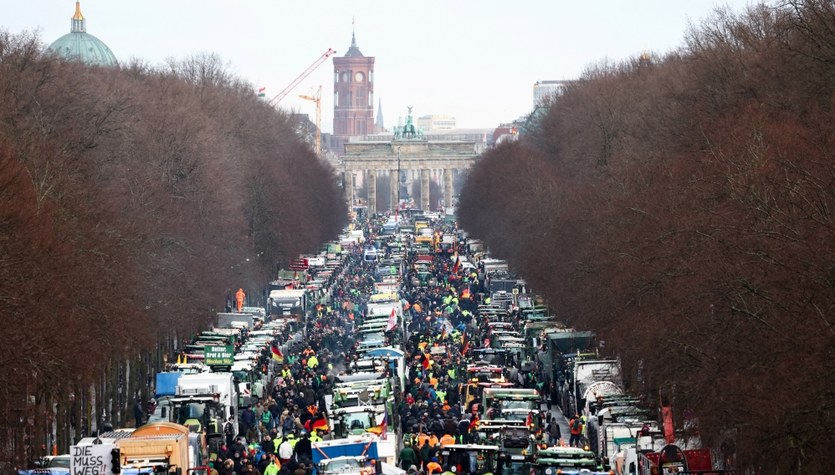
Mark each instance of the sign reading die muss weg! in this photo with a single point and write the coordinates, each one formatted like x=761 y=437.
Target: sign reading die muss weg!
x=91 y=459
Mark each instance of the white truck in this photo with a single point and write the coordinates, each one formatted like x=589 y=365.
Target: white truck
x=236 y=320
x=286 y=302
x=206 y=401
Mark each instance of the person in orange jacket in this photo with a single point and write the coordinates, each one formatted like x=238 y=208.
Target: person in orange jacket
x=240 y=295
x=433 y=467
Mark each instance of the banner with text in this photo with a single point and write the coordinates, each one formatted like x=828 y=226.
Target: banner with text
x=219 y=355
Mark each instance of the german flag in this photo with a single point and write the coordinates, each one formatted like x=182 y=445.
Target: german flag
x=382 y=429
x=276 y=353
x=320 y=424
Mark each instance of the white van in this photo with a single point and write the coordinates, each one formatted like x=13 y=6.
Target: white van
x=369 y=255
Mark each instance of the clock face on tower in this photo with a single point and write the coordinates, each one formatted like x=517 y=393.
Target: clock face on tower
x=359 y=77
x=344 y=77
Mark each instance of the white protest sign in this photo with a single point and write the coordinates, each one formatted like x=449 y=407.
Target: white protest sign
x=91 y=459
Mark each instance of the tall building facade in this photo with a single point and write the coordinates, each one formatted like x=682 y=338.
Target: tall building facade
x=353 y=96
x=544 y=91
x=436 y=122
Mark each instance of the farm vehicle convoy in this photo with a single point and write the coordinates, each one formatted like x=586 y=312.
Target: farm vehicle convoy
x=353 y=345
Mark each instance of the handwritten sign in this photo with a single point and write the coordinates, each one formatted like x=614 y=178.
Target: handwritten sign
x=91 y=459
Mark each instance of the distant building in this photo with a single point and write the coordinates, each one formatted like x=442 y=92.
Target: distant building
x=305 y=128
x=546 y=90
x=353 y=96
x=81 y=46
x=433 y=122
x=379 y=125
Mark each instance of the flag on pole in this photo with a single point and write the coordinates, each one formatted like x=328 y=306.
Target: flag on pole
x=392 y=320
x=466 y=346
x=381 y=429
x=320 y=423
x=262 y=92
x=277 y=353
x=457 y=264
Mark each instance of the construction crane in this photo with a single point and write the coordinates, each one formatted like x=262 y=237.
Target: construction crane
x=317 y=98
x=281 y=95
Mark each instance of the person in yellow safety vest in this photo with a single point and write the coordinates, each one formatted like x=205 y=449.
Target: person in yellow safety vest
x=441 y=394
x=285 y=373
x=273 y=467
x=312 y=362
x=447 y=440
x=315 y=437
x=293 y=440
x=487 y=300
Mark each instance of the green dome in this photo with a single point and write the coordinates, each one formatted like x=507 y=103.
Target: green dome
x=82 y=46
x=85 y=47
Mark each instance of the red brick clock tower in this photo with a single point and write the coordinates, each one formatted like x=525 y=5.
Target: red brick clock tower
x=353 y=96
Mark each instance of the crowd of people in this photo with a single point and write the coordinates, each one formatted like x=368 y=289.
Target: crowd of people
x=443 y=332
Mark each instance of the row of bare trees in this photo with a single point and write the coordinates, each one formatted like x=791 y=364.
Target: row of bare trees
x=684 y=207
x=133 y=200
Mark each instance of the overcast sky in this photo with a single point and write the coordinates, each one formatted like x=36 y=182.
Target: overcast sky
x=474 y=60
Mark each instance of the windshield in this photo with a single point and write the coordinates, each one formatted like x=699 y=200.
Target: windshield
x=340 y=465
x=60 y=462
x=193 y=410
x=484 y=376
x=357 y=421
x=516 y=468
x=516 y=438
x=517 y=404
x=473 y=462
x=515 y=416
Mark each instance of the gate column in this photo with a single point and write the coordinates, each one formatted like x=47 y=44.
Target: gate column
x=348 y=179
x=447 y=187
x=394 y=181
x=424 y=189
x=371 y=176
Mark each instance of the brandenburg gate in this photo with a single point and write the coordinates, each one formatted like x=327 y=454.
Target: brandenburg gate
x=407 y=153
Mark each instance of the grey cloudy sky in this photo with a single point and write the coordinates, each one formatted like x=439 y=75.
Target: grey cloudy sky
x=475 y=60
